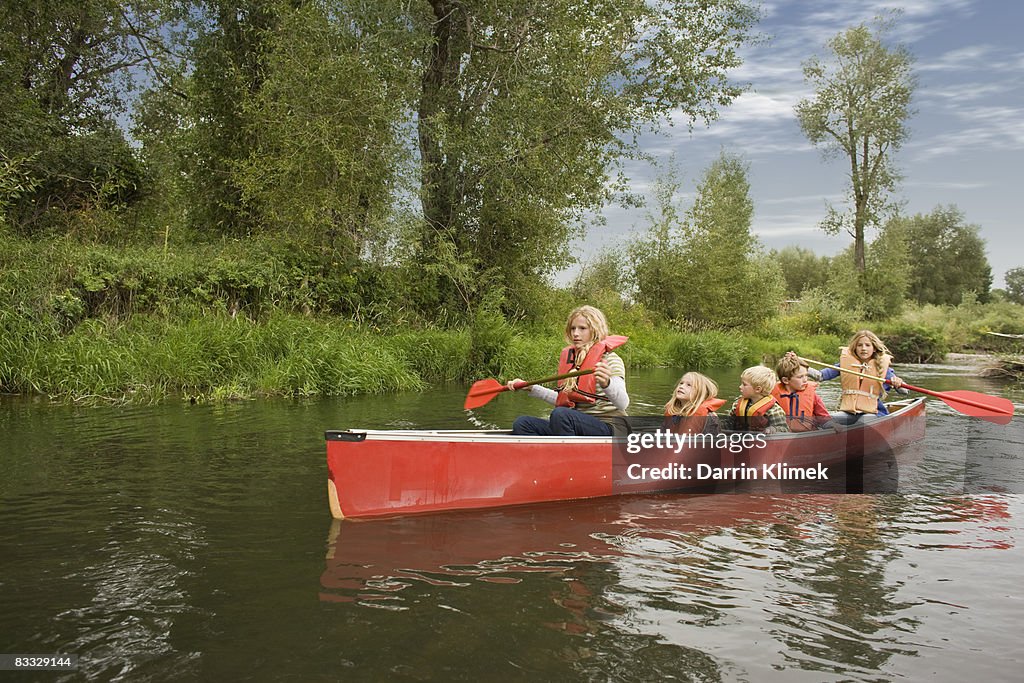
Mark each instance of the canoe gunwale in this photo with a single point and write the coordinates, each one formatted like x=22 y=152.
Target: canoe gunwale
x=506 y=437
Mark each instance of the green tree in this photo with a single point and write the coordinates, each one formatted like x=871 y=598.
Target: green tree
x=326 y=155
x=707 y=267
x=67 y=70
x=734 y=284
x=946 y=257
x=527 y=108
x=227 y=49
x=880 y=291
x=859 y=111
x=802 y=269
x=1015 y=285
x=657 y=260
x=290 y=120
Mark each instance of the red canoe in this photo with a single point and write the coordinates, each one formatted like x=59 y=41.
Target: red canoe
x=397 y=472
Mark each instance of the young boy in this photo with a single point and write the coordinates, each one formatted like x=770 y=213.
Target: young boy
x=756 y=410
x=804 y=409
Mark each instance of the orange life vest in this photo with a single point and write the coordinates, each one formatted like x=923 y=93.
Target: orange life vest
x=861 y=395
x=750 y=416
x=586 y=385
x=683 y=424
x=798 y=406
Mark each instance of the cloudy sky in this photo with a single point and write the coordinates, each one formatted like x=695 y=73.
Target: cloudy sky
x=966 y=136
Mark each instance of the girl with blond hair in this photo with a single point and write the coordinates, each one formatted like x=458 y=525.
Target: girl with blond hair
x=583 y=404
x=867 y=355
x=693 y=404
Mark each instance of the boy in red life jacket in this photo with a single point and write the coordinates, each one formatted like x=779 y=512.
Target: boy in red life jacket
x=693 y=404
x=805 y=411
x=756 y=410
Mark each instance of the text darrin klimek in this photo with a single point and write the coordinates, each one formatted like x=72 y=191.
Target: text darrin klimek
x=703 y=472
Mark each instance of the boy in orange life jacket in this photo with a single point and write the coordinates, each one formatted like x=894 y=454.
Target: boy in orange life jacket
x=805 y=411
x=756 y=410
x=693 y=404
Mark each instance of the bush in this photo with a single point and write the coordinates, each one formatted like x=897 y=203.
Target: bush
x=913 y=343
x=820 y=313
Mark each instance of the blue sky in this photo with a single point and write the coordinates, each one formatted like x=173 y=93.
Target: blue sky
x=966 y=136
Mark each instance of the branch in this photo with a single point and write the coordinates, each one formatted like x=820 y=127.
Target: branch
x=141 y=40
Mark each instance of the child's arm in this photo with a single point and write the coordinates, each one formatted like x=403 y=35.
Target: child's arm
x=829 y=373
x=543 y=393
x=729 y=421
x=819 y=408
x=776 y=420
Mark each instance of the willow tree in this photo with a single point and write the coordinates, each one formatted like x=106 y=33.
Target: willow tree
x=527 y=109
x=859 y=111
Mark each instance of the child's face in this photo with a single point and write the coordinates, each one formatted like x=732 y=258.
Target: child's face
x=580 y=332
x=684 y=390
x=797 y=381
x=748 y=391
x=864 y=348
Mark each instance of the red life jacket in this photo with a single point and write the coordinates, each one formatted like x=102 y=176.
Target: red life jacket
x=690 y=424
x=750 y=416
x=798 y=405
x=586 y=385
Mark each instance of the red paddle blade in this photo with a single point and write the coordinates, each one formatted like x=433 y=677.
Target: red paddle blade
x=482 y=392
x=991 y=408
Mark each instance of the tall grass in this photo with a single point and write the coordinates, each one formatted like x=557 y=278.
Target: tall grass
x=215 y=356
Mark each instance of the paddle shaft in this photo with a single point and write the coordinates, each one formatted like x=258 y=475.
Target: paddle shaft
x=911 y=387
x=523 y=385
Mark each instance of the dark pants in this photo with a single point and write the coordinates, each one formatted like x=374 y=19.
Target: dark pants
x=563 y=422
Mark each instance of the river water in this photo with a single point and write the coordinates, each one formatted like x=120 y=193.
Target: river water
x=194 y=542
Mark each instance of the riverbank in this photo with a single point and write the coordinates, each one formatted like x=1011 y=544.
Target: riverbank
x=211 y=356
x=232 y=320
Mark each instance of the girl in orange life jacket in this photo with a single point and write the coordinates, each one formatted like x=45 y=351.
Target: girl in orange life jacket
x=693 y=404
x=867 y=355
x=805 y=411
x=582 y=402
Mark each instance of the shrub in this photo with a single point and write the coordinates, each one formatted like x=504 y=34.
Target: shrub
x=913 y=343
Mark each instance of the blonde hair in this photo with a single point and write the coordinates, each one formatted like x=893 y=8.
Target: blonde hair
x=789 y=366
x=879 y=345
x=595 y=319
x=599 y=330
x=703 y=388
x=759 y=377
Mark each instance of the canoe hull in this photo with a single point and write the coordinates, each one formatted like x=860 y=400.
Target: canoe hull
x=381 y=473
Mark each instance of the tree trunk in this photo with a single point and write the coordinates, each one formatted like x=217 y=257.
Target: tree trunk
x=437 y=184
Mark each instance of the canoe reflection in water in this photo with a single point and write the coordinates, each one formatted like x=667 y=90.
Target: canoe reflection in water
x=373 y=562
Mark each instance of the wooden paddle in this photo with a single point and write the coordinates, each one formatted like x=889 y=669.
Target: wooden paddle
x=484 y=390
x=992 y=408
